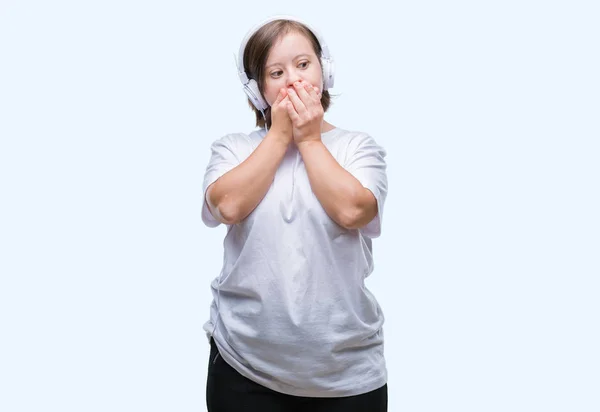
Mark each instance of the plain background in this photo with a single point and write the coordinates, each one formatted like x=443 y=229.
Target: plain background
x=488 y=266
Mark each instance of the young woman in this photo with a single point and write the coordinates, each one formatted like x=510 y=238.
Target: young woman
x=292 y=326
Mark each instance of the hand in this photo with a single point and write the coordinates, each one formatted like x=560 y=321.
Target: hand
x=281 y=124
x=305 y=111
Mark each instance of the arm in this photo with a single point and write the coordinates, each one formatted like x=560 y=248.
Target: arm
x=343 y=197
x=236 y=194
x=342 y=191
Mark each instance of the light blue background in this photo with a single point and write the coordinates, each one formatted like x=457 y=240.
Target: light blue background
x=488 y=266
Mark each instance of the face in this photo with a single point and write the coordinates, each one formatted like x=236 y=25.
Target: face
x=291 y=58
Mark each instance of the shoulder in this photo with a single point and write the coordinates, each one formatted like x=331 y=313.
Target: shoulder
x=231 y=140
x=355 y=142
x=352 y=137
x=237 y=143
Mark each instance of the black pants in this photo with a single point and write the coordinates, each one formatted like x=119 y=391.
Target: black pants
x=228 y=391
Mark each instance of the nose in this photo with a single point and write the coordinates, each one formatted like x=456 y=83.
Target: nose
x=292 y=78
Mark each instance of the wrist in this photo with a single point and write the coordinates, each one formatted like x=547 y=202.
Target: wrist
x=308 y=143
x=280 y=137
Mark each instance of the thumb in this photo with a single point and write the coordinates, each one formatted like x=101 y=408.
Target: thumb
x=282 y=94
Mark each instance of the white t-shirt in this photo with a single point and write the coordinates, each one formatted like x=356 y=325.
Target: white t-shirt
x=291 y=310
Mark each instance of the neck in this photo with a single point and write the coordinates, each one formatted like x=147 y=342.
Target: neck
x=325 y=126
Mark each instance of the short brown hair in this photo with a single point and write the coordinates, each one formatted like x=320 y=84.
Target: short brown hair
x=256 y=53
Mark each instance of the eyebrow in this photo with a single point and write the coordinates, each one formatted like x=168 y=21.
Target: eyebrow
x=300 y=55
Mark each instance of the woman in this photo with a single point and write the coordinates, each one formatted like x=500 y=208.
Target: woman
x=292 y=326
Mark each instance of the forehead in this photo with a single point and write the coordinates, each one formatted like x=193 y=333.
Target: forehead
x=288 y=46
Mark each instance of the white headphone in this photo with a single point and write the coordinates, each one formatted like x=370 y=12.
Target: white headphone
x=251 y=86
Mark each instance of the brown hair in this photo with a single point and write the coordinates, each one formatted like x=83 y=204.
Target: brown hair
x=256 y=53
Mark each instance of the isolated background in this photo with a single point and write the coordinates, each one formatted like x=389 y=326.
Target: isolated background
x=489 y=262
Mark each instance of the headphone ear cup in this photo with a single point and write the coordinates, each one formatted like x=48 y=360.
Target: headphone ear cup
x=254 y=95
x=328 y=73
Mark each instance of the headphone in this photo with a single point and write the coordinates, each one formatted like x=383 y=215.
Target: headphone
x=250 y=86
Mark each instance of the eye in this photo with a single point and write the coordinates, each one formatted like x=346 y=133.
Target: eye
x=276 y=74
x=305 y=63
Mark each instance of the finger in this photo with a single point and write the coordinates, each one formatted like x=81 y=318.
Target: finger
x=317 y=92
x=302 y=90
x=280 y=96
x=312 y=91
x=296 y=101
x=292 y=112
x=285 y=101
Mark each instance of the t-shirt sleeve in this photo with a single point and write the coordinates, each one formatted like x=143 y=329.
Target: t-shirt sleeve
x=365 y=160
x=225 y=155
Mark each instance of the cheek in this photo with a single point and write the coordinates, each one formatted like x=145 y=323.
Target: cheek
x=270 y=91
x=316 y=78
